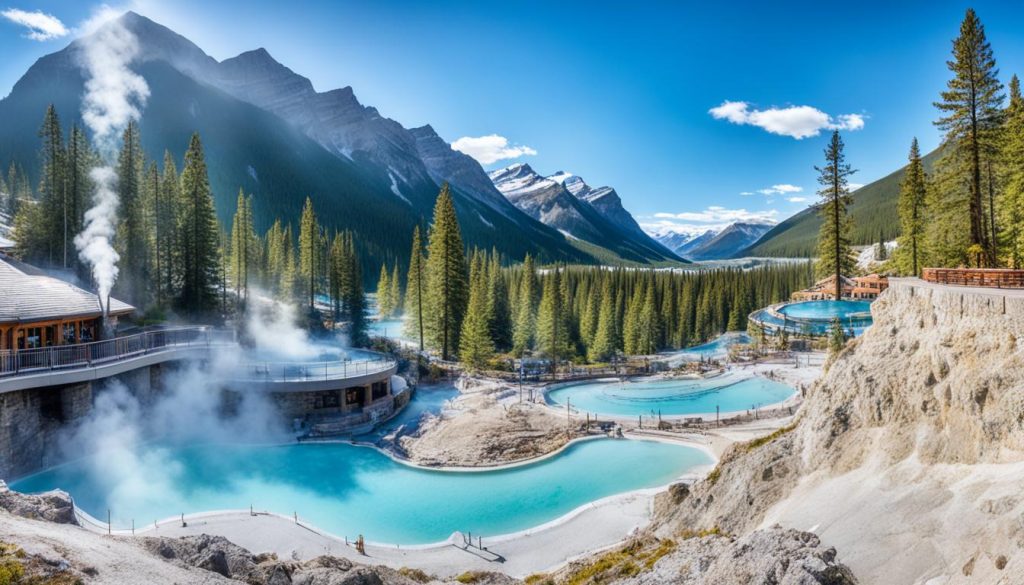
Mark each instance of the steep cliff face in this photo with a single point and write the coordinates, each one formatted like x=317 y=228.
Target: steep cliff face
x=908 y=454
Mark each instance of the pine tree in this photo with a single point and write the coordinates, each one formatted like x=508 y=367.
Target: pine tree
x=52 y=193
x=309 y=253
x=199 y=235
x=604 y=335
x=395 y=291
x=834 y=251
x=648 y=323
x=131 y=240
x=384 y=304
x=447 y=281
x=499 y=308
x=243 y=246
x=169 y=234
x=552 y=328
x=415 y=285
x=1011 y=203
x=524 y=327
x=911 y=207
x=80 y=159
x=475 y=345
x=971 y=107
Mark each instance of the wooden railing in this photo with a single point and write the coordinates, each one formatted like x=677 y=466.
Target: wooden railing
x=983 y=277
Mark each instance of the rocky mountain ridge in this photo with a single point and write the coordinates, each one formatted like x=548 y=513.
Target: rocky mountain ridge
x=566 y=203
x=714 y=244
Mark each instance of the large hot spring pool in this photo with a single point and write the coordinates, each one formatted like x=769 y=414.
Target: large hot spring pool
x=350 y=490
x=681 y=396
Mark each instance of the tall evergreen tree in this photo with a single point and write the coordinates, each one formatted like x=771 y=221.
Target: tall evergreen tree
x=911 y=207
x=243 y=246
x=524 y=326
x=971 y=108
x=395 y=290
x=447 y=281
x=132 y=240
x=415 y=290
x=1011 y=204
x=552 y=325
x=499 y=310
x=199 y=235
x=309 y=253
x=384 y=304
x=51 y=192
x=835 y=255
x=475 y=345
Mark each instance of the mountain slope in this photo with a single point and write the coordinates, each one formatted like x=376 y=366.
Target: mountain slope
x=873 y=212
x=729 y=241
x=550 y=202
x=372 y=180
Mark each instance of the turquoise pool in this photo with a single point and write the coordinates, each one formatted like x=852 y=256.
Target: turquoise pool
x=826 y=310
x=815 y=317
x=351 y=490
x=729 y=392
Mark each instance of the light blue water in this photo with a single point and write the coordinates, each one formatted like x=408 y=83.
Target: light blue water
x=351 y=490
x=389 y=328
x=429 y=398
x=718 y=346
x=729 y=392
x=815 y=317
x=825 y=310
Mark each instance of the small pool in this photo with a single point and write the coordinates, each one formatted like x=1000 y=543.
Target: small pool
x=388 y=328
x=350 y=490
x=814 y=318
x=682 y=396
x=826 y=310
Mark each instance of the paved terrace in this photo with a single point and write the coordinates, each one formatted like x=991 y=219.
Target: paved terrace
x=76 y=363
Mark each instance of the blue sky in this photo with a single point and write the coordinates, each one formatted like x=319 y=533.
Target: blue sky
x=619 y=96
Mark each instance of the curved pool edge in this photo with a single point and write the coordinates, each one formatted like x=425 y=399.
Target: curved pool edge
x=692 y=475
x=790 y=400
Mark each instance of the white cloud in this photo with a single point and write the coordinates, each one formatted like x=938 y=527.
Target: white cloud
x=780 y=189
x=491 y=149
x=796 y=199
x=41 y=26
x=854 y=186
x=747 y=193
x=795 y=121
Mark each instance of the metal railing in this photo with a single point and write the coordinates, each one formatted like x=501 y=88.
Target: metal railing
x=311 y=371
x=84 y=355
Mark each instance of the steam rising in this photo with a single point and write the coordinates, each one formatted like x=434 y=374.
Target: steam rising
x=114 y=95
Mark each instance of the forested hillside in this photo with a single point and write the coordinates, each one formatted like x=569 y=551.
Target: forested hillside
x=873 y=212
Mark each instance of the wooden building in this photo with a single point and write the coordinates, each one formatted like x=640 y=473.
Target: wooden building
x=859 y=287
x=37 y=310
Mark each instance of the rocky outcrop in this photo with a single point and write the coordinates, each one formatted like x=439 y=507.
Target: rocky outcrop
x=912 y=441
x=773 y=555
x=52 y=506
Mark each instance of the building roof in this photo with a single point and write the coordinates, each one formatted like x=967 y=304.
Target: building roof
x=28 y=295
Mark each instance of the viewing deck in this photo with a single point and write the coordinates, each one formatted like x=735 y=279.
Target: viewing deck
x=75 y=363
x=81 y=362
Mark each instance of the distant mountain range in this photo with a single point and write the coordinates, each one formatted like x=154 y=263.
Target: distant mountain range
x=265 y=129
x=714 y=244
x=594 y=216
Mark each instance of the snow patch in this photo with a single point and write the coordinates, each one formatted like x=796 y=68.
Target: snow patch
x=866 y=258
x=252 y=173
x=487 y=223
x=394 y=189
